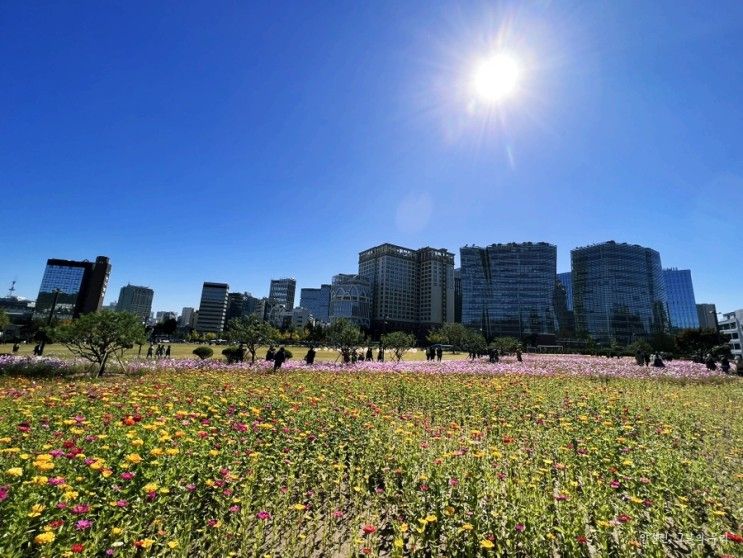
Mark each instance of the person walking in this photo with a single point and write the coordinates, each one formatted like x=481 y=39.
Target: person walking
x=16 y=347
x=369 y=354
x=270 y=354
x=380 y=354
x=167 y=352
x=725 y=364
x=309 y=358
x=439 y=353
x=149 y=352
x=279 y=358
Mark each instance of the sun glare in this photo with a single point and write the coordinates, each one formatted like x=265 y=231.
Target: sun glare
x=496 y=78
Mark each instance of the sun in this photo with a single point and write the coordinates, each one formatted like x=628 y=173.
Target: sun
x=496 y=78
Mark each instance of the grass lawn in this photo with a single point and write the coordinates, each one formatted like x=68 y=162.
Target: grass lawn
x=185 y=350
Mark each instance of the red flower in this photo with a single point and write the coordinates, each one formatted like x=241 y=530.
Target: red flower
x=734 y=537
x=581 y=539
x=77 y=548
x=623 y=518
x=368 y=529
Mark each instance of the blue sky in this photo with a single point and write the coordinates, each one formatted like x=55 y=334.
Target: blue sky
x=237 y=142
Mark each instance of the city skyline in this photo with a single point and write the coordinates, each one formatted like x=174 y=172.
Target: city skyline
x=243 y=143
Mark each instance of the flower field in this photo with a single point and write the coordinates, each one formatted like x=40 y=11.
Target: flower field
x=556 y=456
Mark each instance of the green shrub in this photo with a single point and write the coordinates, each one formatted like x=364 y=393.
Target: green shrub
x=203 y=352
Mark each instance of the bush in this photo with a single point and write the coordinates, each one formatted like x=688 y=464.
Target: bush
x=234 y=354
x=203 y=352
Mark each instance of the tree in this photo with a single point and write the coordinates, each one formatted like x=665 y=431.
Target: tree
x=436 y=337
x=4 y=322
x=699 y=342
x=398 y=342
x=344 y=336
x=250 y=332
x=166 y=327
x=97 y=336
x=203 y=352
x=506 y=345
x=451 y=334
x=474 y=342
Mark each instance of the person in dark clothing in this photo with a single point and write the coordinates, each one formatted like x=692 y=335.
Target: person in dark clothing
x=279 y=358
x=149 y=352
x=518 y=355
x=647 y=359
x=658 y=361
x=369 y=355
x=16 y=347
x=346 y=356
x=380 y=355
x=309 y=358
x=354 y=357
x=271 y=354
x=439 y=353
x=167 y=352
x=725 y=364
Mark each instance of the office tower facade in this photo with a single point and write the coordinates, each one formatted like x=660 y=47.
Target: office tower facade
x=212 y=308
x=164 y=315
x=731 y=326
x=707 y=316
x=77 y=286
x=317 y=301
x=282 y=292
x=135 y=300
x=682 y=307
x=566 y=280
x=412 y=290
x=458 y=295
x=186 y=318
x=240 y=305
x=351 y=298
x=565 y=319
x=508 y=289
x=618 y=292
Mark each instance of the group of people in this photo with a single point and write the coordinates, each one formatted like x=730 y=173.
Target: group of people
x=643 y=359
x=711 y=363
x=278 y=357
x=434 y=353
x=352 y=356
x=160 y=352
x=492 y=354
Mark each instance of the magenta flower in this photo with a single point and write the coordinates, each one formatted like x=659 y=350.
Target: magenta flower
x=263 y=515
x=127 y=476
x=121 y=503
x=4 y=491
x=80 y=509
x=83 y=524
x=234 y=509
x=520 y=527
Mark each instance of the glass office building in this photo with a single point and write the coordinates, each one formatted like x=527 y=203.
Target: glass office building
x=350 y=298
x=212 y=308
x=508 y=289
x=566 y=280
x=78 y=286
x=618 y=292
x=317 y=301
x=682 y=306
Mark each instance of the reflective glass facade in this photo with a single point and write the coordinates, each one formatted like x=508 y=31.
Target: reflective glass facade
x=81 y=285
x=566 y=280
x=317 y=301
x=136 y=300
x=682 y=306
x=618 y=292
x=508 y=289
x=350 y=298
x=212 y=308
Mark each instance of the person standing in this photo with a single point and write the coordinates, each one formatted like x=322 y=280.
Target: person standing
x=439 y=353
x=270 y=355
x=279 y=358
x=309 y=358
x=369 y=354
x=167 y=352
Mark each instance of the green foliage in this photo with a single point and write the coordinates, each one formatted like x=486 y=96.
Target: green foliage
x=698 y=342
x=506 y=345
x=399 y=343
x=234 y=354
x=4 y=320
x=474 y=342
x=98 y=336
x=449 y=334
x=166 y=327
x=251 y=332
x=344 y=335
x=203 y=352
x=664 y=342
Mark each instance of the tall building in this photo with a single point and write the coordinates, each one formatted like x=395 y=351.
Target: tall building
x=458 y=295
x=413 y=290
x=317 y=301
x=618 y=292
x=707 y=316
x=79 y=287
x=566 y=280
x=135 y=300
x=186 y=318
x=164 y=315
x=212 y=308
x=731 y=326
x=508 y=289
x=350 y=298
x=240 y=305
x=282 y=292
x=682 y=307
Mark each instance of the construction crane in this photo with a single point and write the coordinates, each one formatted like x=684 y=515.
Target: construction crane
x=11 y=290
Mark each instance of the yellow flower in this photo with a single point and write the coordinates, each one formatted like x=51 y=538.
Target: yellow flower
x=157 y=452
x=116 y=530
x=299 y=507
x=70 y=495
x=150 y=487
x=147 y=543
x=134 y=458
x=40 y=480
x=44 y=538
x=486 y=544
x=172 y=451
x=44 y=465
x=398 y=543
x=36 y=510
x=173 y=544
x=466 y=527
x=403 y=527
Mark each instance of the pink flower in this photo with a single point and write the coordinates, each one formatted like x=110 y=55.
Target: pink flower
x=80 y=509
x=368 y=529
x=83 y=524
x=4 y=491
x=56 y=481
x=615 y=484
x=121 y=503
x=127 y=476
x=234 y=509
x=263 y=515
x=520 y=527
